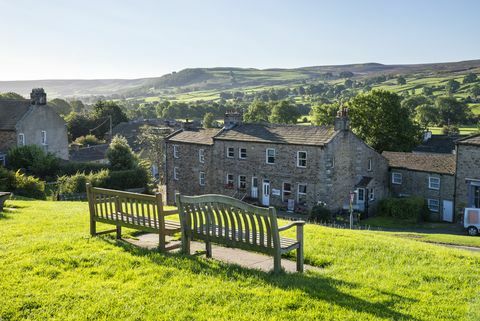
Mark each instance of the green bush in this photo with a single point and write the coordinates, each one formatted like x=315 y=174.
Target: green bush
x=21 y=184
x=88 y=140
x=29 y=186
x=120 y=155
x=71 y=168
x=320 y=213
x=34 y=160
x=409 y=208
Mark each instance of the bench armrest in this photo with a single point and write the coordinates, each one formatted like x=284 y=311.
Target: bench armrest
x=294 y=223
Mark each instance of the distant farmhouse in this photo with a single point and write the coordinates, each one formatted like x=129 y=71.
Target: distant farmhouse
x=32 y=122
x=289 y=166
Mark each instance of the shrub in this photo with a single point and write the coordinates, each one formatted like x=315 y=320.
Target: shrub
x=71 y=168
x=450 y=130
x=7 y=180
x=411 y=208
x=34 y=160
x=320 y=213
x=88 y=140
x=120 y=155
x=29 y=186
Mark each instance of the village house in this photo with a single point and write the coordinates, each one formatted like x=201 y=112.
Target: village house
x=32 y=122
x=428 y=175
x=287 y=166
x=467 y=179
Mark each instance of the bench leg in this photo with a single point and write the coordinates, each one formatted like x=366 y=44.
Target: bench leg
x=300 y=258
x=208 y=248
x=119 y=232
x=93 y=228
x=277 y=262
x=185 y=244
x=161 y=242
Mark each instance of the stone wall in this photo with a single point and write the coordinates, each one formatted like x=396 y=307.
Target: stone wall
x=40 y=118
x=189 y=168
x=415 y=183
x=8 y=139
x=468 y=167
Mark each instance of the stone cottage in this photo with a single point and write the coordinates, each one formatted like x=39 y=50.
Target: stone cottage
x=467 y=180
x=32 y=122
x=429 y=175
x=288 y=166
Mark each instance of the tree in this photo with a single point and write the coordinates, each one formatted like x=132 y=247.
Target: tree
x=208 y=120
x=11 y=95
x=426 y=115
x=324 y=114
x=452 y=86
x=346 y=74
x=284 y=112
x=61 y=106
x=120 y=155
x=348 y=83
x=452 y=111
x=427 y=91
x=412 y=102
x=152 y=139
x=77 y=106
x=102 y=110
x=401 y=80
x=380 y=120
x=475 y=90
x=469 y=78
x=78 y=125
x=257 y=112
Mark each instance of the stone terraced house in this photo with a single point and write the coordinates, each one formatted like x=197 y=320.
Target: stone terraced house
x=287 y=166
x=429 y=175
x=32 y=122
x=467 y=179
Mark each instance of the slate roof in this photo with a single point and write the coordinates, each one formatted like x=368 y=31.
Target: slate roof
x=364 y=181
x=202 y=136
x=279 y=134
x=423 y=162
x=11 y=111
x=470 y=140
x=89 y=154
x=443 y=144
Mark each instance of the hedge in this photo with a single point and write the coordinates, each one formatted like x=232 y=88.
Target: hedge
x=21 y=184
x=412 y=208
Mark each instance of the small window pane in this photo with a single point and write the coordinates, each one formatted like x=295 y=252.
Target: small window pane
x=231 y=152
x=242 y=153
x=302 y=159
x=242 y=182
x=270 y=156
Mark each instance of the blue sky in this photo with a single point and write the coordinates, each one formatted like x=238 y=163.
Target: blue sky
x=131 y=39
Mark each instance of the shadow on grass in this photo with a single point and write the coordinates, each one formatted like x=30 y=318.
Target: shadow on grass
x=314 y=285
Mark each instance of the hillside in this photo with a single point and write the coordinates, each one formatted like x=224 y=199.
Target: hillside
x=228 y=78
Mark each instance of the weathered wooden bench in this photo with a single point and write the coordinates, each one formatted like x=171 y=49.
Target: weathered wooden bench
x=3 y=197
x=132 y=210
x=231 y=222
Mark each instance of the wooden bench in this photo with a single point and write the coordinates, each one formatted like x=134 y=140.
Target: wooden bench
x=231 y=222
x=137 y=211
x=3 y=197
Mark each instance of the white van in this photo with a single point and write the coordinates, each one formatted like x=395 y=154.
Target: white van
x=471 y=220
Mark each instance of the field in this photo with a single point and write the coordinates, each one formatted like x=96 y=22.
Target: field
x=53 y=270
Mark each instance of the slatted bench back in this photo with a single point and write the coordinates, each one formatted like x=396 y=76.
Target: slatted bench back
x=228 y=221
x=129 y=208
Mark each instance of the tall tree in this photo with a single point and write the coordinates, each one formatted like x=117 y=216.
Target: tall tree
x=380 y=120
x=152 y=139
x=401 y=80
x=284 y=112
x=452 y=111
x=257 y=112
x=469 y=78
x=120 y=155
x=208 y=120
x=452 y=86
x=324 y=114
x=62 y=107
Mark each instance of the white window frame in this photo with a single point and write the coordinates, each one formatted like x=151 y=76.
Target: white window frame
x=229 y=182
x=175 y=151
x=371 y=194
x=21 y=139
x=239 y=182
x=433 y=186
x=369 y=165
x=333 y=162
x=3 y=159
x=431 y=207
x=44 y=137
x=240 y=153
x=232 y=149
x=303 y=159
x=175 y=173
x=201 y=178
x=274 y=155
x=283 y=190
x=298 y=191
x=201 y=155
x=396 y=181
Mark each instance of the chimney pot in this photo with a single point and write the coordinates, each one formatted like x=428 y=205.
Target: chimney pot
x=38 y=96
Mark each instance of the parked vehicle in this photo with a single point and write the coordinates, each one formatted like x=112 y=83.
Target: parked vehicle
x=471 y=220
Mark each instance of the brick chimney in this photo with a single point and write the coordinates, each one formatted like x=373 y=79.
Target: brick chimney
x=341 y=121
x=38 y=96
x=232 y=119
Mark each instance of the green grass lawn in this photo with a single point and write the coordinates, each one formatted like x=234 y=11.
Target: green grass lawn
x=51 y=269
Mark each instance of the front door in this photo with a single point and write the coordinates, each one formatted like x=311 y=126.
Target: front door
x=254 y=187
x=266 y=193
x=447 y=211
